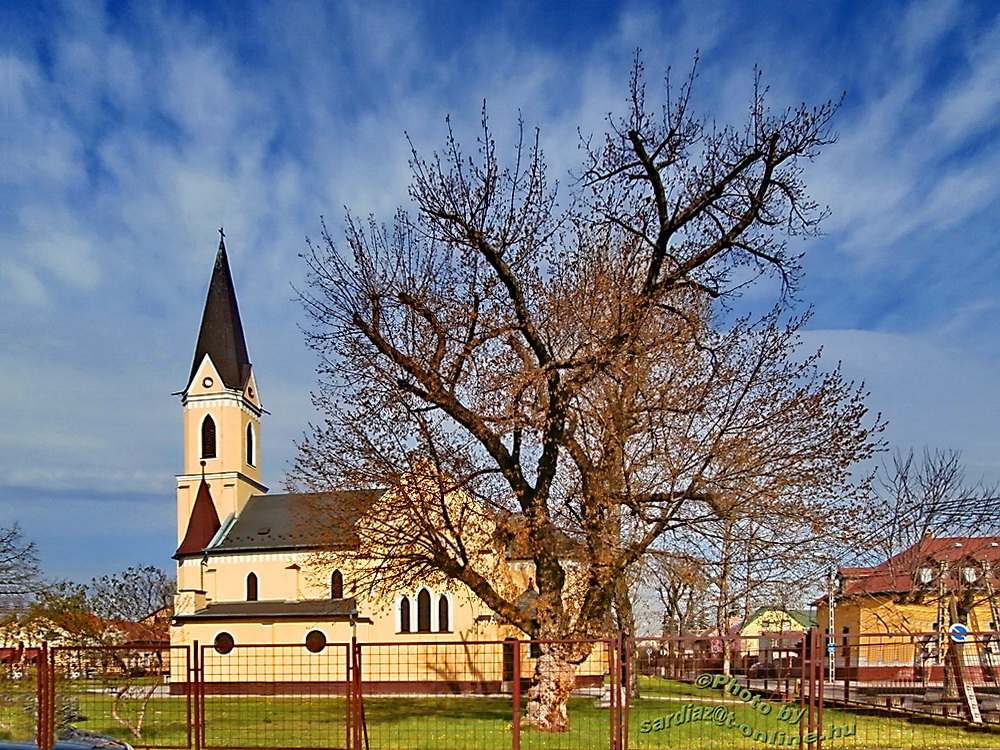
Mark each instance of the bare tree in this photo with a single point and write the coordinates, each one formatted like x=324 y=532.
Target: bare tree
x=771 y=550
x=132 y=594
x=118 y=616
x=681 y=585
x=19 y=574
x=923 y=501
x=929 y=496
x=562 y=364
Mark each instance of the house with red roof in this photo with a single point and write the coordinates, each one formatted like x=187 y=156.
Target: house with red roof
x=897 y=614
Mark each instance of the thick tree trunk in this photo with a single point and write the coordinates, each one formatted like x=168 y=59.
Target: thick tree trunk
x=555 y=678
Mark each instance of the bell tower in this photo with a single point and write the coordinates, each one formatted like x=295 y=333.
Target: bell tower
x=221 y=420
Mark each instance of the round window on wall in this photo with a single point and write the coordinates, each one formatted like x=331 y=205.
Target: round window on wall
x=315 y=641
x=224 y=643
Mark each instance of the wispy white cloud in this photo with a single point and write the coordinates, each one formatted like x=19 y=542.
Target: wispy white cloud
x=132 y=137
x=896 y=171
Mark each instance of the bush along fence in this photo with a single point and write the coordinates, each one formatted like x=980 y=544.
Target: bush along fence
x=778 y=690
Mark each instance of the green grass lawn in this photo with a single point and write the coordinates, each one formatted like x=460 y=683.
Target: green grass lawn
x=442 y=723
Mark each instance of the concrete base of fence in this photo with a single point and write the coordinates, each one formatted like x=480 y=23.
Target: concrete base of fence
x=372 y=687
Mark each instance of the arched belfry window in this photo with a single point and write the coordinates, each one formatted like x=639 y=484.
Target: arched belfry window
x=252 y=587
x=404 y=615
x=337 y=585
x=444 y=624
x=208 y=437
x=424 y=611
x=251 y=456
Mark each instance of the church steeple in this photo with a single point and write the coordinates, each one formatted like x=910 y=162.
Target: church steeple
x=222 y=412
x=221 y=335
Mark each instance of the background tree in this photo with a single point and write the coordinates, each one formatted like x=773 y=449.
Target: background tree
x=120 y=615
x=929 y=496
x=680 y=584
x=19 y=574
x=764 y=552
x=132 y=594
x=564 y=364
x=110 y=611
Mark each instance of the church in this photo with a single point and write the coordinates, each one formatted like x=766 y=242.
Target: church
x=249 y=568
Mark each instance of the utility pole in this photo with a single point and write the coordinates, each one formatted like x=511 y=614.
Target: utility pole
x=831 y=654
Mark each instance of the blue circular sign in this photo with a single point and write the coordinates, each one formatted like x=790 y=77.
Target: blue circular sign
x=959 y=632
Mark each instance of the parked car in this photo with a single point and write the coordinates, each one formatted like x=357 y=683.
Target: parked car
x=73 y=739
x=60 y=745
x=786 y=667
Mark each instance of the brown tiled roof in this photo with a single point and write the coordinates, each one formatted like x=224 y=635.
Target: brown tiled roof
x=300 y=520
x=203 y=524
x=137 y=633
x=897 y=573
x=312 y=609
x=221 y=335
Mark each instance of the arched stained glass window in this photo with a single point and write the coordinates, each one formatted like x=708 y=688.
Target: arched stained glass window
x=208 y=437
x=251 y=456
x=444 y=623
x=252 y=587
x=404 y=615
x=337 y=585
x=424 y=611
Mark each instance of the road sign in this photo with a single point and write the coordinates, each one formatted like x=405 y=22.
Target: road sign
x=831 y=647
x=959 y=632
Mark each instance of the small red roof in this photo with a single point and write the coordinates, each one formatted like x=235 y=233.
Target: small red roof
x=203 y=524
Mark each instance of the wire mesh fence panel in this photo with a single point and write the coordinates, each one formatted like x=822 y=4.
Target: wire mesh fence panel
x=18 y=693
x=593 y=710
x=916 y=690
x=475 y=695
x=716 y=693
x=432 y=694
x=274 y=696
x=122 y=692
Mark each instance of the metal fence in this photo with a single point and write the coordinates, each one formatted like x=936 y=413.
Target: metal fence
x=776 y=691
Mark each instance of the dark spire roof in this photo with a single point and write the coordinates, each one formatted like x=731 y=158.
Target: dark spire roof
x=203 y=524
x=221 y=334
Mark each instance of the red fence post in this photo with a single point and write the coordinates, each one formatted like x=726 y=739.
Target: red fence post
x=348 y=694
x=196 y=691
x=39 y=700
x=820 y=684
x=621 y=665
x=847 y=670
x=515 y=726
x=44 y=715
x=358 y=700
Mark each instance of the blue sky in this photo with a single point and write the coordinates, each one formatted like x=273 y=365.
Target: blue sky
x=133 y=130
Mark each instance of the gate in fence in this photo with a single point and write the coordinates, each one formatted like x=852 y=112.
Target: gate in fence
x=634 y=693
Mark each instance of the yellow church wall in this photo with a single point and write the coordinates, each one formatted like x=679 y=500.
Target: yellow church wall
x=272 y=648
x=276 y=652
x=469 y=651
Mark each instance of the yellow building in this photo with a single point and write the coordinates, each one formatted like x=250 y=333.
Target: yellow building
x=249 y=564
x=774 y=632
x=892 y=620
